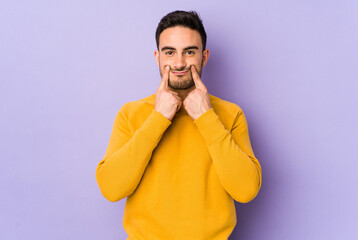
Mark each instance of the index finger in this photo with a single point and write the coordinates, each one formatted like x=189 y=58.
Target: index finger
x=198 y=83
x=165 y=77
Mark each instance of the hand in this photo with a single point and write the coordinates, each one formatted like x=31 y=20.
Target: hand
x=167 y=102
x=198 y=101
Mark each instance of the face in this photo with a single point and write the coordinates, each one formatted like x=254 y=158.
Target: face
x=180 y=47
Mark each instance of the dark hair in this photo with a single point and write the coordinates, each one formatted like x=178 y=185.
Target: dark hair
x=188 y=19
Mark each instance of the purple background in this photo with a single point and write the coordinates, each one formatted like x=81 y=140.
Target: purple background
x=66 y=67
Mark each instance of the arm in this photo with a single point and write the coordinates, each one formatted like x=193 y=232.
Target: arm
x=120 y=171
x=236 y=165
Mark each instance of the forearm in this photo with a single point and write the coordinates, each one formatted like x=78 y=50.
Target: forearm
x=119 y=173
x=239 y=173
x=236 y=166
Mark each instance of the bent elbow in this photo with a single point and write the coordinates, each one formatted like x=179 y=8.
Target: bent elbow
x=113 y=195
x=111 y=191
x=248 y=192
x=247 y=197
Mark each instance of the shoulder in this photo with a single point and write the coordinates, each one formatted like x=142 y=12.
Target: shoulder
x=142 y=105
x=132 y=114
x=224 y=107
x=228 y=112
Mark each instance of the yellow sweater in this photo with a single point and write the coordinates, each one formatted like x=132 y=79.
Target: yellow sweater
x=180 y=176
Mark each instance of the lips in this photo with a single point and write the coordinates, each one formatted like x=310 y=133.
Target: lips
x=180 y=73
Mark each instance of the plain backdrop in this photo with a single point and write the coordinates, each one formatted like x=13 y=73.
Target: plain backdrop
x=66 y=67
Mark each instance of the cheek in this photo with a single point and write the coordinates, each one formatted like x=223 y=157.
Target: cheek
x=196 y=62
x=164 y=62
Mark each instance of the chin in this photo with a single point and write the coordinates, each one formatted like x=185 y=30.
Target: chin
x=182 y=86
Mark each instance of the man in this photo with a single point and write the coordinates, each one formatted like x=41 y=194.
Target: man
x=181 y=155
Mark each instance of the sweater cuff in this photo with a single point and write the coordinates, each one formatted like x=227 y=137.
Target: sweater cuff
x=155 y=125
x=210 y=126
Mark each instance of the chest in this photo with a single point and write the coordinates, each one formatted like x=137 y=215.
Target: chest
x=181 y=148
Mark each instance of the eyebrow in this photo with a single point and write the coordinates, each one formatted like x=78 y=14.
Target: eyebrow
x=171 y=48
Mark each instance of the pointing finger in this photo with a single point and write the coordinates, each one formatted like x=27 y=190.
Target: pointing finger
x=198 y=83
x=174 y=93
x=165 y=77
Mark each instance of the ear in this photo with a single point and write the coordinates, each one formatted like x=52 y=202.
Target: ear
x=206 y=54
x=156 y=55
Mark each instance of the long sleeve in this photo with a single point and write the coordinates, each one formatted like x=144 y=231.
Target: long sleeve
x=235 y=163
x=120 y=171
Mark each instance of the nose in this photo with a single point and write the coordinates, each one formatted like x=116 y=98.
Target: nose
x=179 y=62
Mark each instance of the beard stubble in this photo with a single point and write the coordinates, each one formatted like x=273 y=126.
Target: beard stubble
x=182 y=82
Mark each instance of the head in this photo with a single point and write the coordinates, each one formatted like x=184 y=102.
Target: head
x=181 y=42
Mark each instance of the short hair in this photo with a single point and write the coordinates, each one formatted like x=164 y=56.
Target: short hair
x=188 y=19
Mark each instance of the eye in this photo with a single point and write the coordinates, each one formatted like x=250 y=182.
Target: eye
x=169 y=53
x=190 y=52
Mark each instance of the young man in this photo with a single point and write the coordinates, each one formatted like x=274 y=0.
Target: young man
x=181 y=155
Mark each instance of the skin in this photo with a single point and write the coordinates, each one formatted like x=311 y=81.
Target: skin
x=180 y=58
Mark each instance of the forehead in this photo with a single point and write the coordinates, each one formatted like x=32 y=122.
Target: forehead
x=179 y=37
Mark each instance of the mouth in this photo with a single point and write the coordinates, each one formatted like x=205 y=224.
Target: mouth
x=180 y=73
